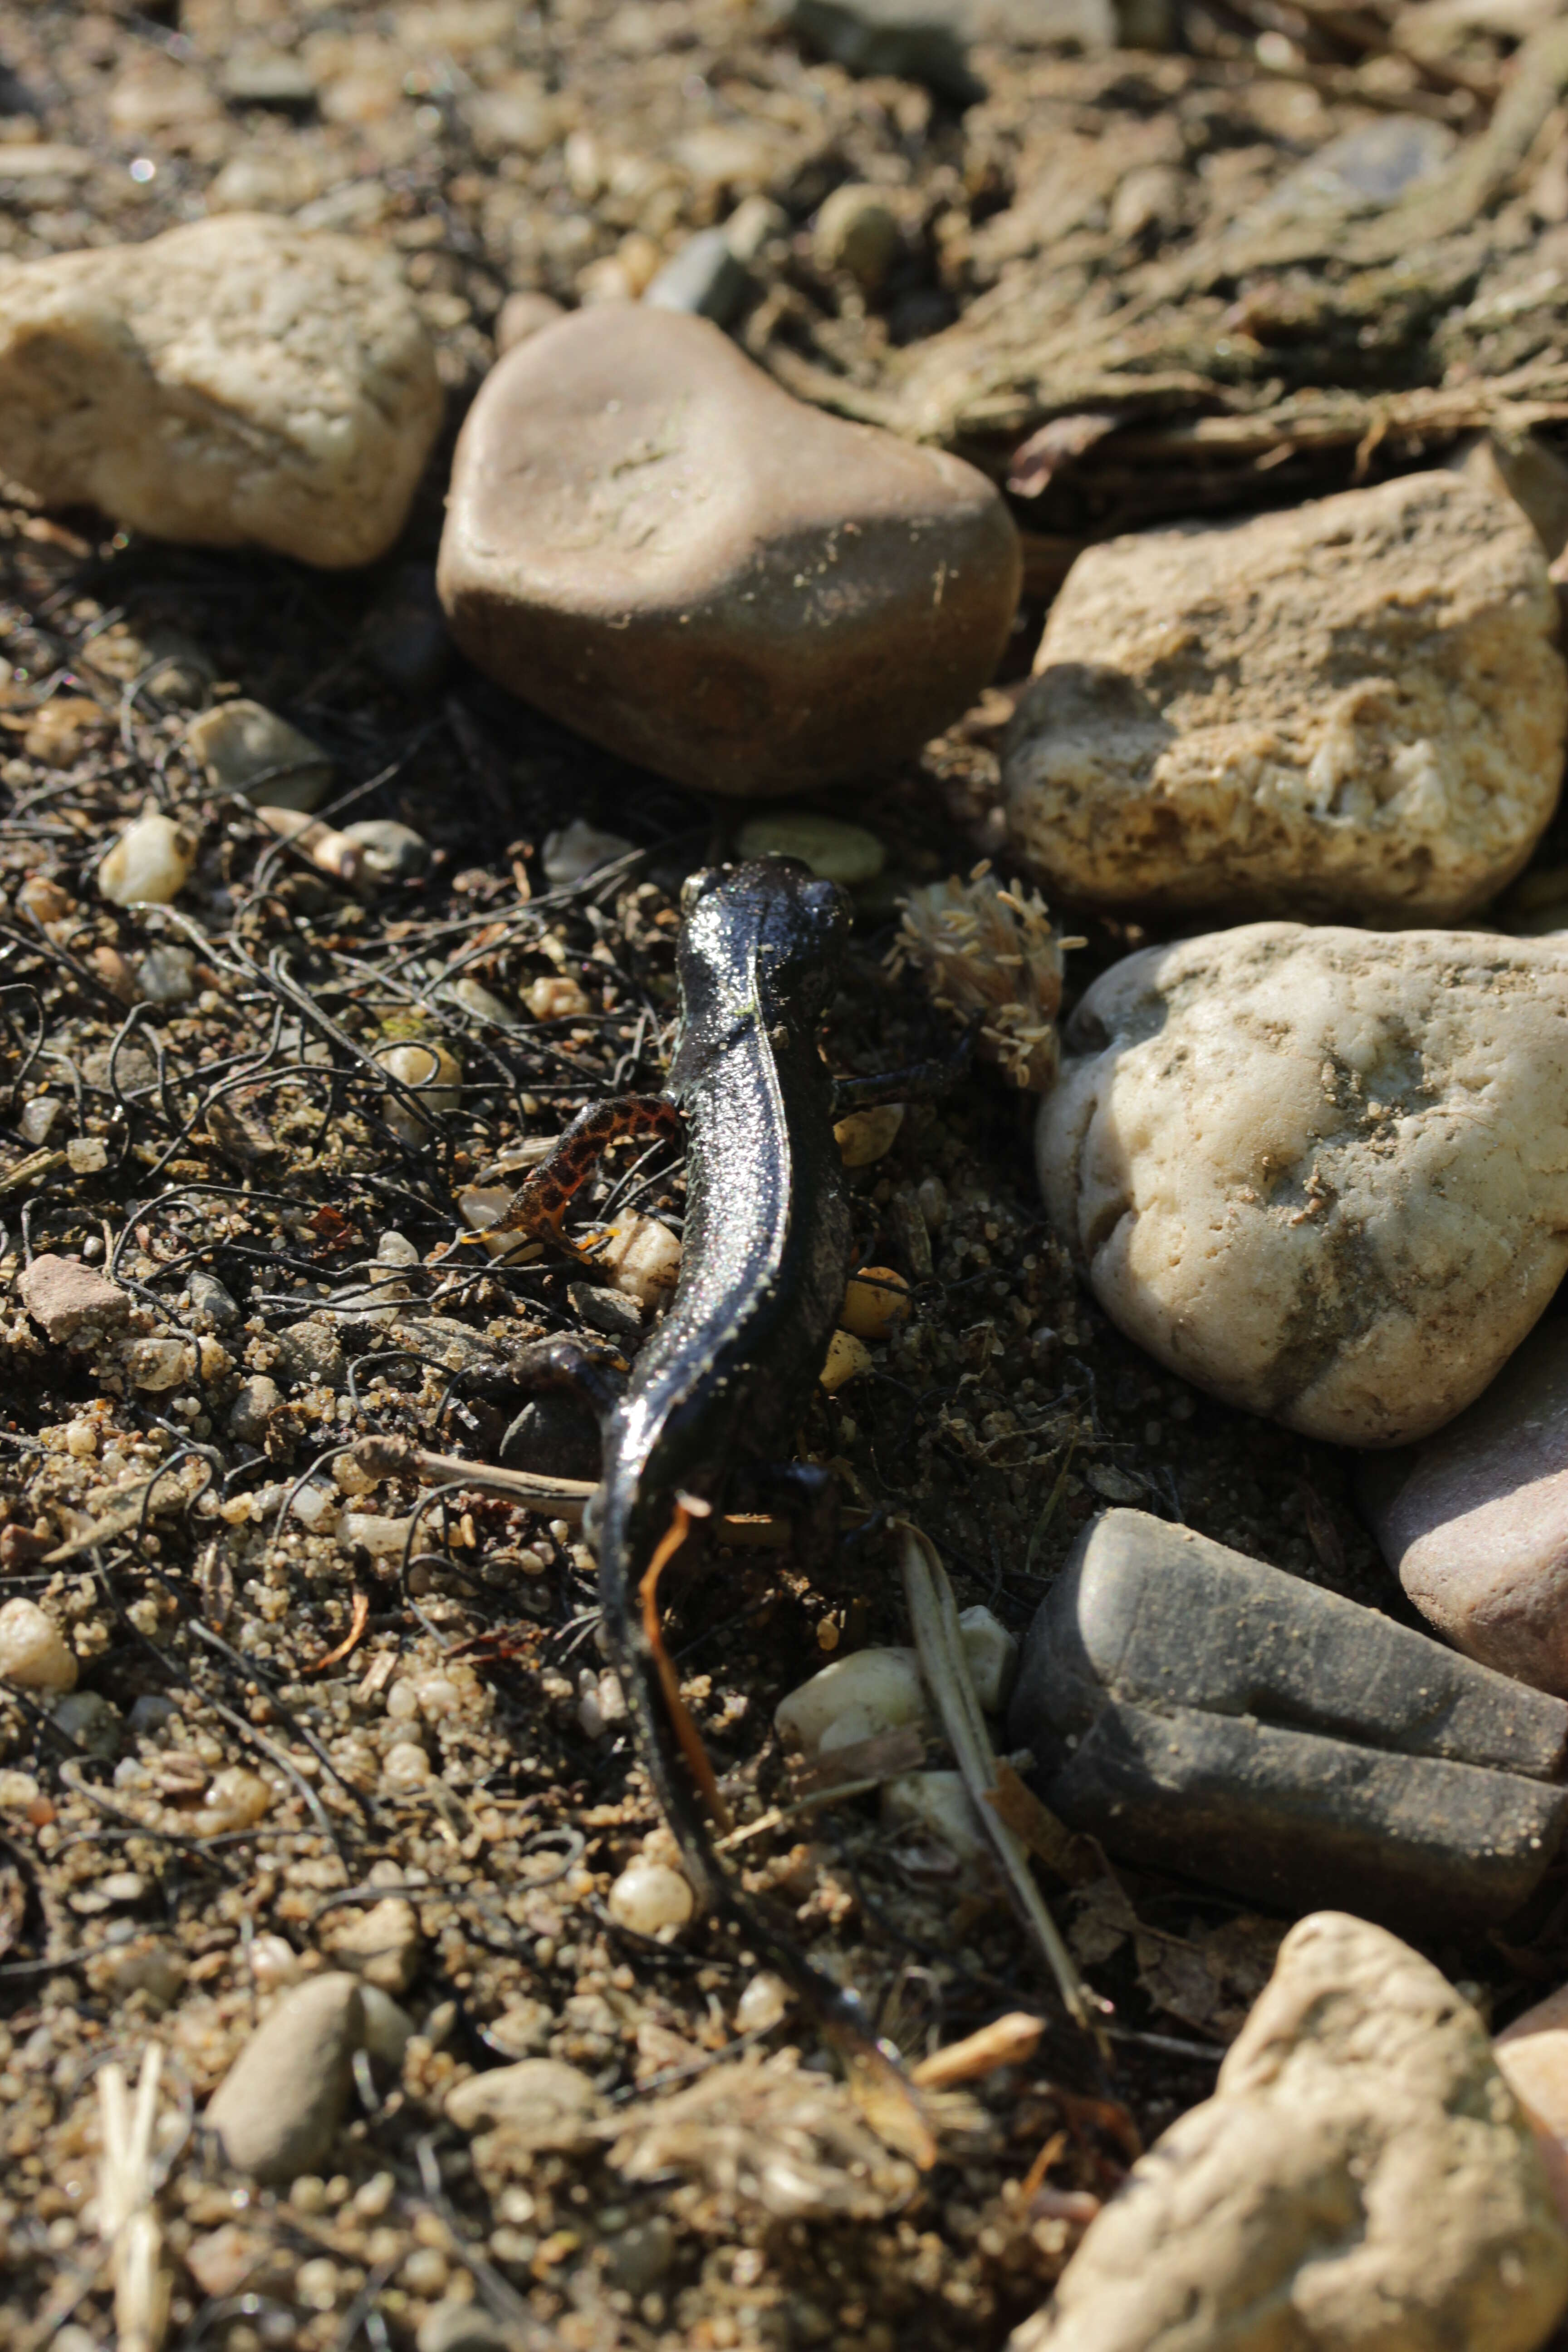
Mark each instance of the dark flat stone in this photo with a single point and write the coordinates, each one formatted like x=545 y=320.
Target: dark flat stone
x=1208 y=1714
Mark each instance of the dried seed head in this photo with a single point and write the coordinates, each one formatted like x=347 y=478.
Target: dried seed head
x=991 y=953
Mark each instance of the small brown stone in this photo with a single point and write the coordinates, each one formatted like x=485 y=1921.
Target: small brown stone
x=649 y=540
x=62 y=1295
x=1475 y=1522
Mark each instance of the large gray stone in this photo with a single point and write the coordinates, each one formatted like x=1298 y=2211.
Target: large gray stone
x=1205 y=1713
x=649 y=540
x=1475 y=1522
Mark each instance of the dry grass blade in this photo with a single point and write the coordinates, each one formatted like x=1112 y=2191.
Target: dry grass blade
x=127 y=2219
x=933 y=1617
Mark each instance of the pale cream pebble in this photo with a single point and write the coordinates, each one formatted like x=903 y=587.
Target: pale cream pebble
x=992 y=1654
x=1354 y=707
x=430 y=1072
x=641 y=1257
x=383 y=1538
x=86 y=1155
x=38 y=1116
x=847 y=1357
x=579 y=849
x=383 y=1944
x=277 y=2109
x=936 y=1805
x=875 y=1303
x=235 y=382
x=406 y=1766
x=166 y=975
x=650 y=1898
x=1321 y=1171
x=869 y=1692
x=762 y=2004
x=1363 y=2175
x=17 y=1791
x=152 y=861
x=235 y=1799
x=555 y=997
x=33 y=1652
x=274 y=1963
x=483 y=1004
x=835 y=852
x=156 y=1365
x=242 y=746
x=867 y=1136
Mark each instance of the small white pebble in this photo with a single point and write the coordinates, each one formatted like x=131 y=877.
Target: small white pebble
x=642 y=1258
x=81 y=1439
x=316 y=2285
x=438 y=1696
x=315 y=1508
x=406 y=1765
x=382 y=1537
x=274 y=1962
x=86 y=1155
x=158 y=1364
x=374 y=2196
x=762 y=2004
x=425 y=2271
x=33 y=1652
x=152 y=861
x=648 y=1896
x=17 y=1791
x=233 y=1800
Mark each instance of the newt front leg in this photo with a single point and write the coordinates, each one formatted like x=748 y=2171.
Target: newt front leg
x=543 y=1198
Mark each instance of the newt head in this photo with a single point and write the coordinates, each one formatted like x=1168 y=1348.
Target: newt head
x=771 y=918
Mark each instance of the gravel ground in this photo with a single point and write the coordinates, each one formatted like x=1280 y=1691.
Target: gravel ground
x=274 y=1729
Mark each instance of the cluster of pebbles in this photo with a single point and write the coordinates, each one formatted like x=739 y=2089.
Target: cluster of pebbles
x=1308 y=1160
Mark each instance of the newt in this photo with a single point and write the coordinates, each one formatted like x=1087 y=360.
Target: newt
x=713 y=1399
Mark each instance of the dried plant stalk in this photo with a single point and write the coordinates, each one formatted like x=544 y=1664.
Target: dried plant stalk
x=990 y=953
x=944 y=1670
x=127 y=2217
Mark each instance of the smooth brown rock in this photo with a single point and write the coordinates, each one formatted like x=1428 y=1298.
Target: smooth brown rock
x=651 y=541
x=1475 y=1523
x=1363 y=2180
x=1532 y=2053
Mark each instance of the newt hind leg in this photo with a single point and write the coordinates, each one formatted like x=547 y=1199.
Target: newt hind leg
x=545 y=1195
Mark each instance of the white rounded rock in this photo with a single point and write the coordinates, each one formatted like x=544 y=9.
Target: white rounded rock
x=993 y=1655
x=33 y=1652
x=151 y=861
x=870 y=1692
x=1320 y=1172
x=936 y=1805
x=648 y=1896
